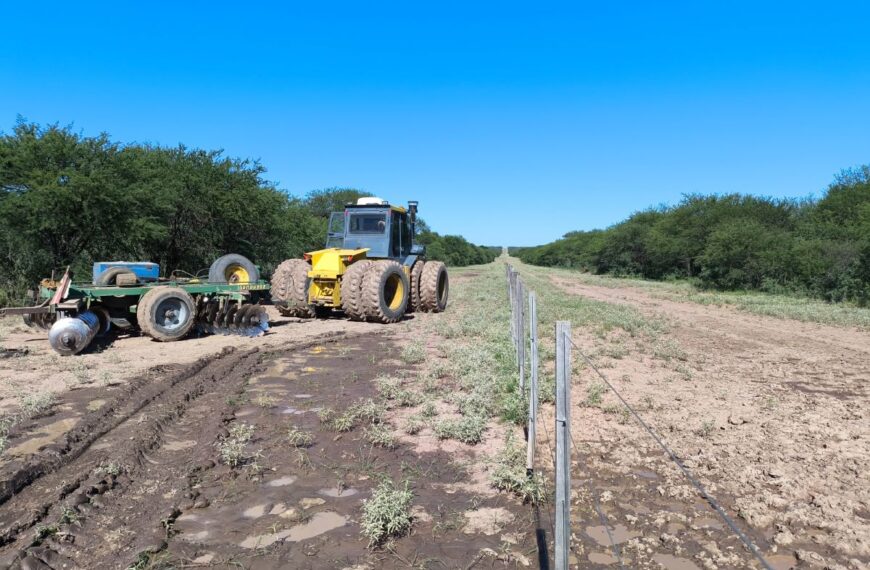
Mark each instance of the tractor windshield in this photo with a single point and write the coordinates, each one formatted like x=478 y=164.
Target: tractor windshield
x=367 y=223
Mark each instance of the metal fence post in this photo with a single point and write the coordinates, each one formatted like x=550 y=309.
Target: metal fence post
x=521 y=335
x=563 y=446
x=533 y=382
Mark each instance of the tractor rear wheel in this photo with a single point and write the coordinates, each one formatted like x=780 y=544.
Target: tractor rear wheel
x=166 y=313
x=434 y=287
x=351 y=290
x=233 y=268
x=416 y=273
x=290 y=289
x=385 y=292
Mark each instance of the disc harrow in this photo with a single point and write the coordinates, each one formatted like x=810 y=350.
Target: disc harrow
x=224 y=317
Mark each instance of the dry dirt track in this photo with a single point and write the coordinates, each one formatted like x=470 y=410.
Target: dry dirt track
x=770 y=414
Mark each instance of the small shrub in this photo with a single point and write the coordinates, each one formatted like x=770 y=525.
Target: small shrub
x=345 y=422
x=325 y=415
x=594 y=395
x=413 y=425
x=33 y=405
x=380 y=436
x=232 y=447
x=414 y=353
x=468 y=429
x=510 y=474
x=429 y=410
x=299 y=438
x=265 y=400
x=387 y=514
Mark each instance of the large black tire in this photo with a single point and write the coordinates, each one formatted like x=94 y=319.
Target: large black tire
x=233 y=268
x=385 y=291
x=416 y=273
x=351 y=290
x=166 y=313
x=434 y=287
x=290 y=289
x=109 y=277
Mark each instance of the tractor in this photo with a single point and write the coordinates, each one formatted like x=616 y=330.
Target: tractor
x=370 y=269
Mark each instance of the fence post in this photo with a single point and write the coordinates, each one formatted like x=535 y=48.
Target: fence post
x=521 y=335
x=533 y=382
x=563 y=445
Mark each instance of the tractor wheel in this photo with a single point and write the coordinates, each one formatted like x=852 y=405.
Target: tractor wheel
x=233 y=268
x=385 y=292
x=109 y=277
x=434 y=287
x=290 y=289
x=166 y=313
x=351 y=290
x=414 y=299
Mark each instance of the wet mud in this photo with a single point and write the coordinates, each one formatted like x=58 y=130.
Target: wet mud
x=133 y=476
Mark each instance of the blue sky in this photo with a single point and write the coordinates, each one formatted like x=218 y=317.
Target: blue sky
x=511 y=123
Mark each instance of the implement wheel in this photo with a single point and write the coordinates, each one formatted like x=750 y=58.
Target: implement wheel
x=434 y=287
x=110 y=277
x=290 y=289
x=233 y=268
x=385 y=291
x=351 y=290
x=166 y=313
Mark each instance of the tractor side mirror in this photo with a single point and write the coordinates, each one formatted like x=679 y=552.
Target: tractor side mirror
x=418 y=249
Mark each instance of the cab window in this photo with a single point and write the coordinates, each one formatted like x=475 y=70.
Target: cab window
x=367 y=223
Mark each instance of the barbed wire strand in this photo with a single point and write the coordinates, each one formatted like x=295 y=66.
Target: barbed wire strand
x=695 y=483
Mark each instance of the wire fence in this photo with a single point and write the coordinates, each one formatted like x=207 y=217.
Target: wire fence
x=560 y=453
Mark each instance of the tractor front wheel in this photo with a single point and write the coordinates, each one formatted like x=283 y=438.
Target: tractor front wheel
x=385 y=291
x=434 y=287
x=290 y=289
x=166 y=313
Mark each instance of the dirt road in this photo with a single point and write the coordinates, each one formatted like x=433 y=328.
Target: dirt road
x=770 y=414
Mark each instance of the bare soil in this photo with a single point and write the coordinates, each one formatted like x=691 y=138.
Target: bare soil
x=771 y=416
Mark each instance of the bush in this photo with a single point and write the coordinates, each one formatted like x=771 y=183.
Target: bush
x=387 y=514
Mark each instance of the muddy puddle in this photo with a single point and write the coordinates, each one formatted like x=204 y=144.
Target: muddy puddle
x=143 y=479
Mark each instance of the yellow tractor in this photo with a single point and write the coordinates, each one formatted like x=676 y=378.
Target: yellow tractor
x=371 y=269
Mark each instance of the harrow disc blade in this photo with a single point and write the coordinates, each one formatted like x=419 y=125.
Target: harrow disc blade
x=258 y=321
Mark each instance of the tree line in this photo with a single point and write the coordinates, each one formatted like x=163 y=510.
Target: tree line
x=68 y=200
x=814 y=247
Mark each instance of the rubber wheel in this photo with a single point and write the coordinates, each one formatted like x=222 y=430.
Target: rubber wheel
x=109 y=277
x=414 y=299
x=233 y=268
x=351 y=289
x=434 y=287
x=166 y=313
x=290 y=289
x=385 y=291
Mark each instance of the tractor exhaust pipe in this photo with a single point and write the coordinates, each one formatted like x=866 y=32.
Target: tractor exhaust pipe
x=412 y=211
x=71 y=335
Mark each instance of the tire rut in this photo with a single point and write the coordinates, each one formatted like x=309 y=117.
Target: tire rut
x=113 y=466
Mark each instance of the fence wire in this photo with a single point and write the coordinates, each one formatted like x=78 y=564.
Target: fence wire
x=689 y=477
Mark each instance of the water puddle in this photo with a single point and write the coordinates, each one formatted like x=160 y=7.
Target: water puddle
x=620 y=533
x=336 y=492
x=782 y=561
x=180 y=445
x=318 y=349
x=319 y=524
x=644 y=474
x=602 y=558
x=708 y=523
x=282 y=481
x=255 y=512
x=303 y=396
x=671 y=562
x=309 y=369
x=46 y=435
x=95 y=405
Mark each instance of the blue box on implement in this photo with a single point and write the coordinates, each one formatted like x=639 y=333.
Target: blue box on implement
x=144 y=270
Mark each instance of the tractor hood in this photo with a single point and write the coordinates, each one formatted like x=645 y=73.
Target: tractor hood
x=331 y=262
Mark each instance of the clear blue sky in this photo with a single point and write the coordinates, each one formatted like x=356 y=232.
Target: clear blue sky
x=511 y=123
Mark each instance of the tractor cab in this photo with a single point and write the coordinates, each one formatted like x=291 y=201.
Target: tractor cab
x=386 y=231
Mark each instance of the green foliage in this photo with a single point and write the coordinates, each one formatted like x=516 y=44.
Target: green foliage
x=454 y=250
x=69 y=199
x=818 y=248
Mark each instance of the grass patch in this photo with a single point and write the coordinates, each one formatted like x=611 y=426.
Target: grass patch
x=468 y=429
x=510 y=474
x=299 y=438
x=232 y=447
x=380 y=436
x=387 y=514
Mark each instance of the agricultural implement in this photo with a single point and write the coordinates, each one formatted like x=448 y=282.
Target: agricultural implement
x=371 y=269
x=131 y=296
